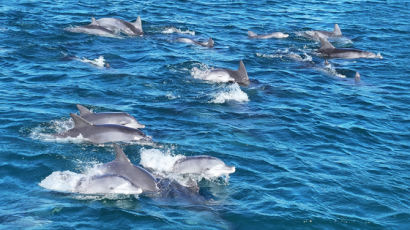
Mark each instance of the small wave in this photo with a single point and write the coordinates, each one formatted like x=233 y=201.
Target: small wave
x=172 y=30
x=230 y=93
x=90 y=182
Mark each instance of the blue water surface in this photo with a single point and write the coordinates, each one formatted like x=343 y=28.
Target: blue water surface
x=312 y=148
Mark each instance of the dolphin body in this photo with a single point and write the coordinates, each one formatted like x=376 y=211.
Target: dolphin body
x=94 y=29
x=327 y=50
x=239 y=76
x=204 y=165
x=100 y=134
x=119 y=25
x=267 y=36
x=316 y=34
x=209 y=43
x=116 y=118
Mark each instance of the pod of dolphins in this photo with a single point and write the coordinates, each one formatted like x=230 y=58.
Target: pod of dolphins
x=111 y=127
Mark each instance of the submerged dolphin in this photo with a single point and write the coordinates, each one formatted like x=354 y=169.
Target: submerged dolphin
x=117 y=118
x=209 y=43
x=204 y=165
x=267 y=36
x=316 y=34
x=327 y=50
x=119 y=25
x=93 y=29
x=99 y=134
x=239 y=76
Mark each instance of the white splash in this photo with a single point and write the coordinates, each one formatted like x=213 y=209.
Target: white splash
x=172 y=30
x=85 y=183
x=160 y=162
x=99 y=62
x=47 y=133
x=230 y=93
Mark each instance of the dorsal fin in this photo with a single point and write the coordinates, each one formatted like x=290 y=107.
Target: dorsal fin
x=337 y=31
x=210 y=42
x=243 y=74
x=83 y=110
x=252 y=34
x=137 y=23
x=325 y=44
x=93 y=21
x=120 y=155
x=79 y=122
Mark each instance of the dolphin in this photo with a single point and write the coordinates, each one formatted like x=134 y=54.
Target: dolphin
x=239 y=76
x=209 y=43
x=116 y=118
x=203 y=164
x=122 y=26
x=93 y=29
x=119 y=174
x=327 y=50
x=100 y=134
x=316 y=34
x=267 y=36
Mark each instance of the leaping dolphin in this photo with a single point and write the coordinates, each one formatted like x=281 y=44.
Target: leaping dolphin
x=204 y=165
x=267 y=36
x=209 y=43
x=122 y=26
x=327 y=50
x=316 y=34
x=239 y=76
x=100 y=134
x=117 y=118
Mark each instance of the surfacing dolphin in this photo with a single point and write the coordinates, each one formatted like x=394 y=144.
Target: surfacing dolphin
x=117 y=118
x=209 y=43
x=100 y=134
x=207 y=166
x=121 y=26
x=93 y=29
x=316 y=34
x=239 y=76
x=267 y=36
x=327 y=50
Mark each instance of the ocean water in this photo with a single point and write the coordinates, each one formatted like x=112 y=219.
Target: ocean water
x=312 y=148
